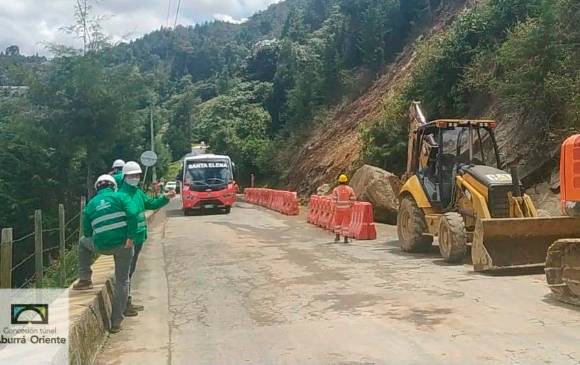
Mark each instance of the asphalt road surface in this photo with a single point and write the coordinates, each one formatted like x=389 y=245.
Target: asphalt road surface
x=257 y=287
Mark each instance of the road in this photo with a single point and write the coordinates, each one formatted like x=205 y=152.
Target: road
x=257 y=287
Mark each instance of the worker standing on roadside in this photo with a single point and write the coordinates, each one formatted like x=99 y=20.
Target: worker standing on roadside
x=131 y=179
x=117 y=172
x=343 y=197
x=110 y=228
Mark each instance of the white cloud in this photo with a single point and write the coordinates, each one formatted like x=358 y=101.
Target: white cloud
x=47 y=32
x=32 y=23
x=229 y=19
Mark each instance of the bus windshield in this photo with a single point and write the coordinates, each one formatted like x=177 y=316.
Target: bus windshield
x=207 y=173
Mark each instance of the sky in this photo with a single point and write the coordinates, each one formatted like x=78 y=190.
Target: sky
x=31 y=24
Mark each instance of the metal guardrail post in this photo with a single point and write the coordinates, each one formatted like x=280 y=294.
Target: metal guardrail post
x=38 y=254
x=61 y=246
x=6 y=259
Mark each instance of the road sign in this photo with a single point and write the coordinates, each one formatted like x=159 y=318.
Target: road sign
x=149 y=158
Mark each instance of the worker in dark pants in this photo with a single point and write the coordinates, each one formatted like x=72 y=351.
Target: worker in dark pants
x=110 y=226
x=131 y=179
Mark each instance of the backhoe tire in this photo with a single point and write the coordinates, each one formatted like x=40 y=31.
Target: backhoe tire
x=411 y=227
x=452 y=238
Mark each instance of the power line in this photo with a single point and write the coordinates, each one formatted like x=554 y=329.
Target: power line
x=168 y=13
x=177 y=13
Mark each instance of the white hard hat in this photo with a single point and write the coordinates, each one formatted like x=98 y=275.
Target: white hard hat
x=118 y=163
x=132 y=168
x=105 y=178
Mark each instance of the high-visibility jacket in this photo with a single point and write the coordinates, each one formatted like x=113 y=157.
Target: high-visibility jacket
x=110 y=218
x=143 y=203
x=118 y=178
x=343 y=196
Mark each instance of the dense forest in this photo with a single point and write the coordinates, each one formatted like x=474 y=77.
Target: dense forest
x=244 y=89
x=256 y=90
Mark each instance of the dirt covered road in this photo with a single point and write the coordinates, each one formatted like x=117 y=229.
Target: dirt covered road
x=256 y=287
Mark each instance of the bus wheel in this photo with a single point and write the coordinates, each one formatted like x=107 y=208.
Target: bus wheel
x=227 y=210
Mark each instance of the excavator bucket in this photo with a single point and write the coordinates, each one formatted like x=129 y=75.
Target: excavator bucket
x=518 y=243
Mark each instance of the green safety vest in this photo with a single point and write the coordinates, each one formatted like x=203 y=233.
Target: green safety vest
x=142 y=203
x=110 y=218
x=118 y=179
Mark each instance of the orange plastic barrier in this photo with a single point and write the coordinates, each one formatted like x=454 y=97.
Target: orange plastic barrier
x=291 y=205
x=360 y=226
x=285 y=202
x=326 y=214
x=314 y=210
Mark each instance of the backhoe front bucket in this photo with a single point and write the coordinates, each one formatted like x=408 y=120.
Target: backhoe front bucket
x=510 y=243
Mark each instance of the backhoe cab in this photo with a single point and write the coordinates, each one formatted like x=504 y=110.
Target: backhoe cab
x=456 y=190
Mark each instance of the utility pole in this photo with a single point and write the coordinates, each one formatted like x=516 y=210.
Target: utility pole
x=154 y=176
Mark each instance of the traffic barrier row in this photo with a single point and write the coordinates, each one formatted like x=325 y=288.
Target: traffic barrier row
x=285 y=202
x=358 y=223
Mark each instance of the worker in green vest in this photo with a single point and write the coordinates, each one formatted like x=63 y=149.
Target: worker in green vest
x=131 y=179
x=110 y=228
x=117 y=172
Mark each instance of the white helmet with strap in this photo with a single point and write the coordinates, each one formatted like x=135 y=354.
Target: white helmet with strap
x=132 y=168
x=105 y=180
x=118 y=164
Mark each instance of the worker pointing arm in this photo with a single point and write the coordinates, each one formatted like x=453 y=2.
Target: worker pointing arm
x=157 y=202
x=131 y=179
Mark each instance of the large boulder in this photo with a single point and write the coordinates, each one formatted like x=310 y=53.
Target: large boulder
x=324 y=189
x=379 y=187
x=545 y=199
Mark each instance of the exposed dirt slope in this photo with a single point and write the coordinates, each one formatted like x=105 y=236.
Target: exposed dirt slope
x=336 y=146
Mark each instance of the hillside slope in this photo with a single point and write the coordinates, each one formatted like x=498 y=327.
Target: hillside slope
x=336 y=145
x=514 y=61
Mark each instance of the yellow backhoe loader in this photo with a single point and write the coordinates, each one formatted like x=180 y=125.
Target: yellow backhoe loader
x=455 y=189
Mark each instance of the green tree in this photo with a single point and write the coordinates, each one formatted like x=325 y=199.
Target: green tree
x=180 y=135
x=236 y=124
